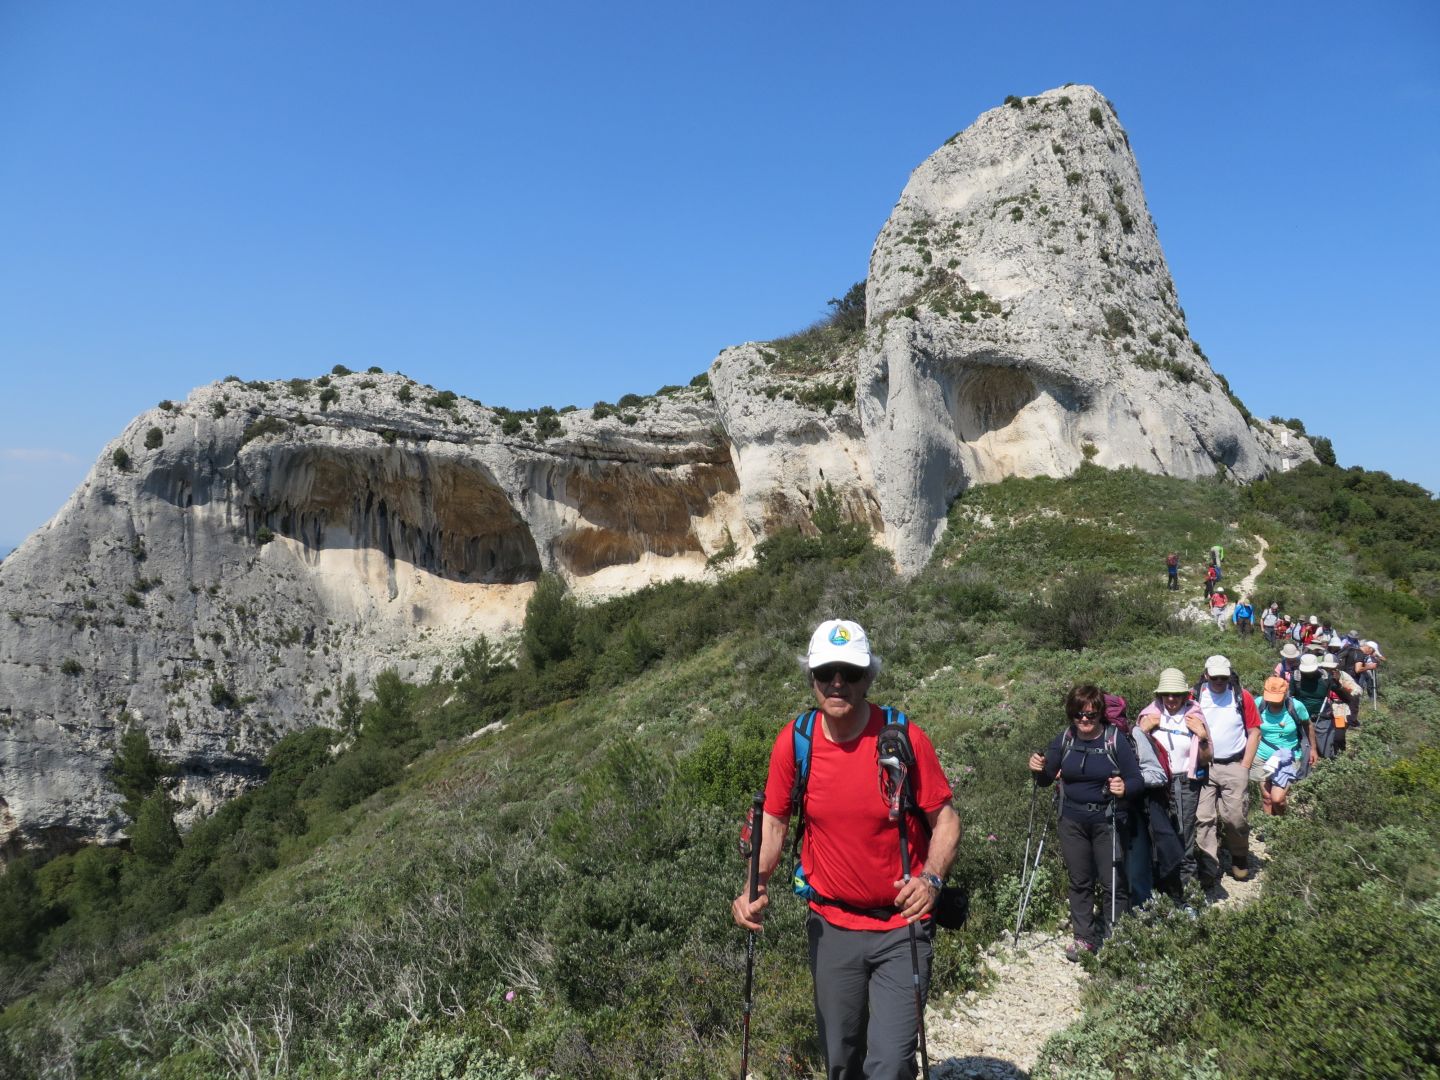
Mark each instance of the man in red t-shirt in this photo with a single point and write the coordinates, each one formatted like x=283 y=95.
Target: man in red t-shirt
x=862 y=909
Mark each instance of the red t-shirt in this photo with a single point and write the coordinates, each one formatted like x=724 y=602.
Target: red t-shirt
x=851 y=848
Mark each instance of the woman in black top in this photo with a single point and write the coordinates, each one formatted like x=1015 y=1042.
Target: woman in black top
x=1096 y=766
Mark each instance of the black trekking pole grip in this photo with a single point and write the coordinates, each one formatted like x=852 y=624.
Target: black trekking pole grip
x=757 y=830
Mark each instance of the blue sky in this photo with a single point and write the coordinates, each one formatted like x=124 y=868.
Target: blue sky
x=556 y=203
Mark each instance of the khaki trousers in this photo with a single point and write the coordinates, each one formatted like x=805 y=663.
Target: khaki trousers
x=1224 y=801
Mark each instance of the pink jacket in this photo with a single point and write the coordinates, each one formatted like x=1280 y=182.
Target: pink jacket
x=1192 y=757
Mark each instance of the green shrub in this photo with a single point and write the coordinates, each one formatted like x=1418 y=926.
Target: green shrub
x=1095 y=117
x=266 y=425
x=217 y=409
x=631 y=401
x=341 y=369
x=1117 y=323
x=510 y=425
x=71 y=666
x=328 y=395
x=550 y=621
x=153 y=438
x=263 y=535
x=120 y=459
x=602 y=409
x=445 y=399
x=222 y=697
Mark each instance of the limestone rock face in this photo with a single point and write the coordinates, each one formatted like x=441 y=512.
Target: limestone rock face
x=250 y=550
x=1021 y=319
x=232 y=558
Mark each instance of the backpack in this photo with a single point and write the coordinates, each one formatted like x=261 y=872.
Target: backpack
x=1067 y=743
x=1211 y=574
x=802 y=738
x=1172 y=561
x=1290 y=705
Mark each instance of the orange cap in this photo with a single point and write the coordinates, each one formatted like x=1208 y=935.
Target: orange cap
x=1276 y=690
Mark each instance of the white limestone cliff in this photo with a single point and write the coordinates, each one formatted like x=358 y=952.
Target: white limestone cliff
x=247 y=549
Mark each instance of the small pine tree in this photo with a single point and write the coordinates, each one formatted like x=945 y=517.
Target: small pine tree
x=550 y=618
x=154 y=837
x=22 y=909
x=350 y=704
x=137 y=771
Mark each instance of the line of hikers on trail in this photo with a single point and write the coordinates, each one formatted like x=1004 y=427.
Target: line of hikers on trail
x=1153 y=805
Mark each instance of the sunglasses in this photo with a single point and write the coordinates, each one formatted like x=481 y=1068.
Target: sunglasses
x=1086 y=714
x=826 y=675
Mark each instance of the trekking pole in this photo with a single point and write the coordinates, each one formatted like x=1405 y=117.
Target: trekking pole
x=891 y=759
x=755 y=829
x=1027 y=876
x=1114 y=846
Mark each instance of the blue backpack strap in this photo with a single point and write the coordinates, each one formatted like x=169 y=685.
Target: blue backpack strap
x=802 y=738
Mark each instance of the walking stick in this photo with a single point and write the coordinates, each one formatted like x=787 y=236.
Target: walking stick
x=754 y=831
x=1114 y=847
x=1027 y=873
x=891 y=754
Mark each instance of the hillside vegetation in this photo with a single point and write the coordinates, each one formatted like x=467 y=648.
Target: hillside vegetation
x=523 y=866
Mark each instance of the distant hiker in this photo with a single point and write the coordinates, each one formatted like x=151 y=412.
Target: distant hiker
x=1175 y=727
x=1217 y=556
x=1282 y=628
x=1211 y=577
x=861 y=911
x=1311 y=687
x=1277 y=756
x=1218 y=602
x=1234 y=725
x=1269 y=622
x=1172 y=570
x=1244 y=617
x=1308 y=631
x=1096 y=767
x=1289 y=660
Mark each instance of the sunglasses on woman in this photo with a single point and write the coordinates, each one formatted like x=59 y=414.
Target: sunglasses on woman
x=1086 y=714
x=826 y=675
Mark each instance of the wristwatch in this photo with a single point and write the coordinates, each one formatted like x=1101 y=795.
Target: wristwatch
x=933 y=881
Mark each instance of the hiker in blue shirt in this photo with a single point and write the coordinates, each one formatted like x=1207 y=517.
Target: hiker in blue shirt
x=1244 y=617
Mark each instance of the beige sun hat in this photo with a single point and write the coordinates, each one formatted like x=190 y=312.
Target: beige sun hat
x=1290 y=650
x=1309 y=664
x=1172 y=681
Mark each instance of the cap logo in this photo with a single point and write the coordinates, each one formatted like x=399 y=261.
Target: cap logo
x=839 y=636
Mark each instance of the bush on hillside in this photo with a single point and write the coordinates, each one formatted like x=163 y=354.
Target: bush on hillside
x=550 y=620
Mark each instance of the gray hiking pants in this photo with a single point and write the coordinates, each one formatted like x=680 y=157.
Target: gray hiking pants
x=865 y=998
x=1090 y=849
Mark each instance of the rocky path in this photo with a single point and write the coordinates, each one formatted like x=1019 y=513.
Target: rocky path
x=997 y=1033
x=1034 y=992
x=1247 y=583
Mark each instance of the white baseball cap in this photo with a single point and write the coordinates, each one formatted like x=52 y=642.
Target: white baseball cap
x=838 y=641
x=1217 y=667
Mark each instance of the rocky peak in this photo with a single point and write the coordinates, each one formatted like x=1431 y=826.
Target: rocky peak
x=231 y=558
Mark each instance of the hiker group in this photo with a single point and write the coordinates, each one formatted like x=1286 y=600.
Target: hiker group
x=1156 y=805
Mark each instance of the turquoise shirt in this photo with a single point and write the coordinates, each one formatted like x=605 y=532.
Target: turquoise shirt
x=1278 y=730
